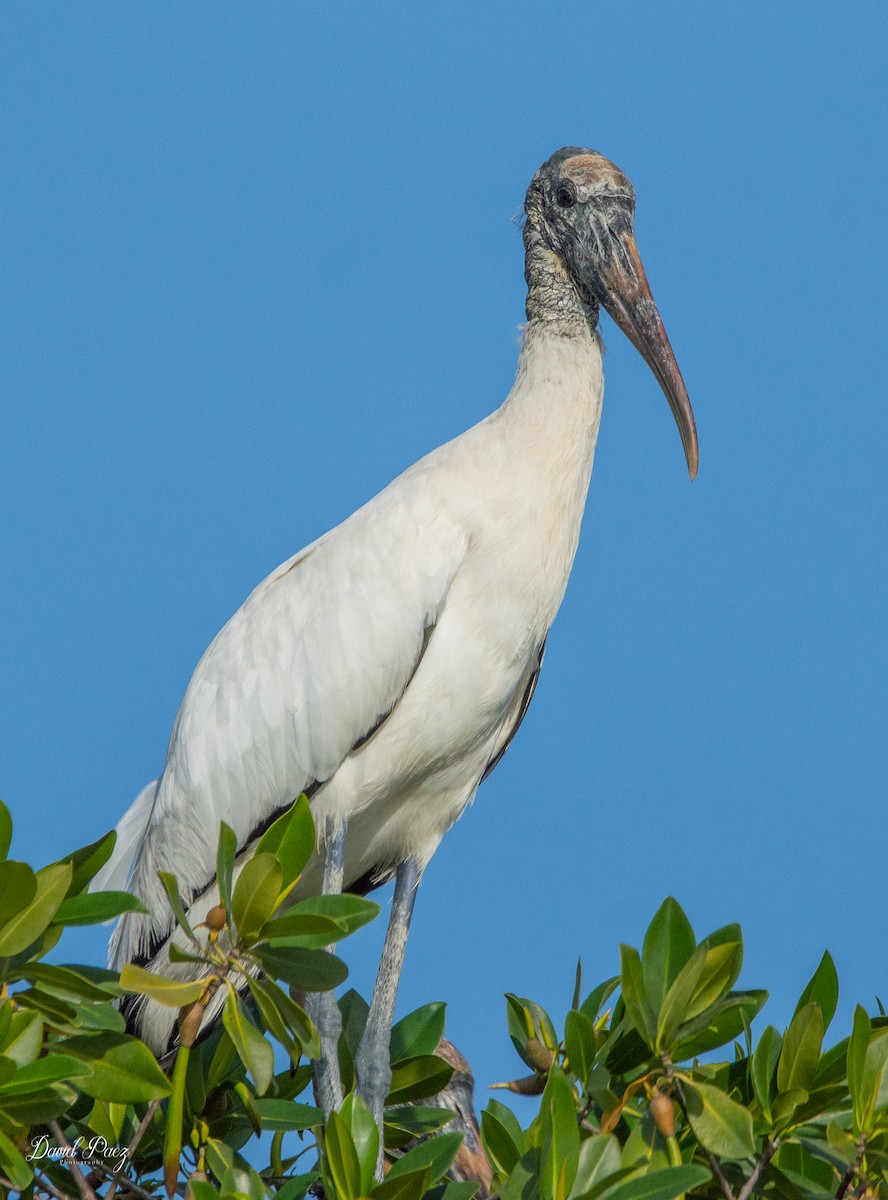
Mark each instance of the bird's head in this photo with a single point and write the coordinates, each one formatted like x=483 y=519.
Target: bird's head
x=580 y=211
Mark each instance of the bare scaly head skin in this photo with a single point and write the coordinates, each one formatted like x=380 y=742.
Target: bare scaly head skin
x=580 y=230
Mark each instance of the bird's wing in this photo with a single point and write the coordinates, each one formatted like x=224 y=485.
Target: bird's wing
x=308 y=667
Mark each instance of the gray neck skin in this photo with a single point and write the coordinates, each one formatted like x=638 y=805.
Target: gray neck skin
x=552 y=296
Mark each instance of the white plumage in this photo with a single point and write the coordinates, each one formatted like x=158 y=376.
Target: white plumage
x=383 y=668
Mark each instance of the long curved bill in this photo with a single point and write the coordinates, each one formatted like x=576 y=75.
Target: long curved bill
x=622 y=288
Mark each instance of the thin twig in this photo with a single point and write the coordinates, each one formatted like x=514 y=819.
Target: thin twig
x=852 y=1170
x=133 y=1146
x=38 y=1184
x=767 y=1154
x=125 y=1185
x=714 y=1164
x=44 y=1185
x=83 y=1187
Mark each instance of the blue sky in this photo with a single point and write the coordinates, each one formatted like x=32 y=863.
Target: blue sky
x=260 y=258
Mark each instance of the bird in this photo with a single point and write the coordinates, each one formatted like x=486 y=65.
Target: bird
x=385 y=669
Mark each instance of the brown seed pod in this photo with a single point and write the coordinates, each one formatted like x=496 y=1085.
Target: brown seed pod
x=216 y=919
x=190 y=1018
x=540 y=1056
x=663 y=1112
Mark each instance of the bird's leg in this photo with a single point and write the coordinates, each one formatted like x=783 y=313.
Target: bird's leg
x=372 y=1063
x=322 y=1006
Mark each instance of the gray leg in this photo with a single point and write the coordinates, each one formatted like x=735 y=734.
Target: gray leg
x=372 y=1065
x=322 y=1006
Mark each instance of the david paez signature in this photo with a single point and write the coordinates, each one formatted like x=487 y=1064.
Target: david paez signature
x=96 y=1151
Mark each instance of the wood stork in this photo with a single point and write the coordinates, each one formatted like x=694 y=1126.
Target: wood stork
x=385 y=668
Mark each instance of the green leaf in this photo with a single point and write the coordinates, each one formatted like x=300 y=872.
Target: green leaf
x=784 y=1106
x=171 y=887
x=833 y=1067
x=874 y=1080
x=560 y=1153
x=437 y=1154
x=841 y=1142
x=579 y=1044
x=57 y=1011
x=723 y=1021
x=405 y=1122
x=532 y=1020
x=18 y=887
x=593 y=1003
x=93 y=908
x=599 y=1158
x=122 y=1069
x=412 y=1186
x=91 y=1016
x=273 y=1020
x=721 y=966
x=763 y=1065
x=522 y=1183
x=5 y=831
x=255 y=895
x=54 y=1068
x=660 y=1185
x=420 y=1032
x=668 y=944
x=220 y=1157
x=171 y=992
x=720 y=1124
x=36 y=1108
x=801 y=1050
x=293 y=1016
x=365 y=1137
x=342 y=1158
x=354 y=1009
x=309 y=970
x=676 y=1006
x=288 y=1115
x=645 y=1146
x=12 y=1164
x=632 y=989
x=252 y=1048
x=296 y=1187
x=306 y=930
x=857 y=1048
x=242 y=1181
x=224 y=1058
x=226 y=852
x=63 y=982
x=88 y=861
x=291 y=839
x=460 y=1189
x=179 y=955
x=502 y=1149
x=200 y=1189
x=24 y=1038
x=823 y=989
x=418 y=1078
x=821 y=1101
x=22 y=929
x=175 y=1118
x=107 y=1120
x=721 y=937
x=346 y=911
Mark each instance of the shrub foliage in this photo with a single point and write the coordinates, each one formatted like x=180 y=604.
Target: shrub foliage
x=653 y=1087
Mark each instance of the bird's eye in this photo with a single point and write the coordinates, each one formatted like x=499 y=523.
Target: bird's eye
x=565 y=195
